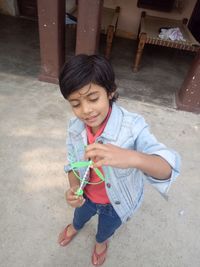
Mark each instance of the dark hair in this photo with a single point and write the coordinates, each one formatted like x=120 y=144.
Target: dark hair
x=82 y=69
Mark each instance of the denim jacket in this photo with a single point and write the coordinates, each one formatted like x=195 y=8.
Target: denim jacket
x=124 y=187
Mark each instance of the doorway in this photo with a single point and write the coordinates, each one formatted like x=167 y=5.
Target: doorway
x=28 y=8
x=194 y=23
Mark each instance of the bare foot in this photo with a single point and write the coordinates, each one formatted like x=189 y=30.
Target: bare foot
x=67 y=235
x=100 y=247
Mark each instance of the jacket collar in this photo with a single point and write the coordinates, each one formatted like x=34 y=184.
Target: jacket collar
x=111 y=130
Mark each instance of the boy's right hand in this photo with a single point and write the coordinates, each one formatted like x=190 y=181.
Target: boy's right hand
x=73 y=199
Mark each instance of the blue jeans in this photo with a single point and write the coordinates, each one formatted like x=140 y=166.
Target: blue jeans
x=108 y=220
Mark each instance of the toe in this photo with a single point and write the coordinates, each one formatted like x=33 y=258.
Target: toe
x=61 y=236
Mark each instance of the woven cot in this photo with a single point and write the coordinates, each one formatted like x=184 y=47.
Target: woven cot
x=149 y=31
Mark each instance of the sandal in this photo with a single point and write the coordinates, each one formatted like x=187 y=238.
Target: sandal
x=98 y=259
x=63 y=238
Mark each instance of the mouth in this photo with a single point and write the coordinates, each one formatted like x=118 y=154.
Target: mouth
x=91 y=119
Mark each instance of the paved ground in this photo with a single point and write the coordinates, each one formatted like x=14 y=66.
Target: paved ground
x=33 y=209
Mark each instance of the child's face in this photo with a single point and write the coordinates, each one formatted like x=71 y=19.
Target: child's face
x=90 y=104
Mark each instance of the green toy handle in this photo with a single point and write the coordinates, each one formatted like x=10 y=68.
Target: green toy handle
x=79 y=192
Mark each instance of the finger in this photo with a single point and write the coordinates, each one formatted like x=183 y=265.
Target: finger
x=100 y=163
x=95 y=153
x=69 y=193
x=76 y=202
x=82 y=202
x=95 y=146
x=73 y=197
x=73 y=203
x=72 y=191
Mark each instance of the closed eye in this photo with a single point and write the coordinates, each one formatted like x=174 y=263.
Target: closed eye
x=75 y=105
x=93 y=99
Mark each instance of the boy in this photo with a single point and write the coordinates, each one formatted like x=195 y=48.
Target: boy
x=118 y=143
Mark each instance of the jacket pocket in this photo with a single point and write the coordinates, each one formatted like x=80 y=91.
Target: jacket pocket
x=122 y=173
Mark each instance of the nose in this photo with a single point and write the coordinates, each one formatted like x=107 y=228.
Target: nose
x=86 y=108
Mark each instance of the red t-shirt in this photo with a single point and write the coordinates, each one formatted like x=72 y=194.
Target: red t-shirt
x=96 y=192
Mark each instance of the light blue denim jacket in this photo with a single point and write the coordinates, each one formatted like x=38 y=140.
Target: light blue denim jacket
x=124 y=187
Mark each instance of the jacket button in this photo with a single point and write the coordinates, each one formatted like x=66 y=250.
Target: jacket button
x=108 y=185
x=117 y=202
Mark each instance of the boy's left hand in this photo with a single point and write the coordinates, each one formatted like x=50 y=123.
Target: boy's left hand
x=107 y=154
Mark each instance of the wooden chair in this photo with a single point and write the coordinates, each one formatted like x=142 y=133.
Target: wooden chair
x=149 y=31
x=109 y=26
x=109 y=23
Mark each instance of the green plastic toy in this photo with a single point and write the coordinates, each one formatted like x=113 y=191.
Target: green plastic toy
x=88 y=164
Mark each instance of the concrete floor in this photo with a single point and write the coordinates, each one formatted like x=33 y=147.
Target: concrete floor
x=33 y=122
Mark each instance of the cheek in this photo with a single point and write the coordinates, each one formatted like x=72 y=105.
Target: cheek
x=101 y=107
x=76 y=112
x=104 y=102
x=106 y=105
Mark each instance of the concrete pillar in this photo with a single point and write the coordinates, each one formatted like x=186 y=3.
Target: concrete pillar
x=88 y=27
x=51 y=14
x=188 y=97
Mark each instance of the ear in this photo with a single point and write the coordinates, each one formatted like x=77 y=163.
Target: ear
x=111 y=95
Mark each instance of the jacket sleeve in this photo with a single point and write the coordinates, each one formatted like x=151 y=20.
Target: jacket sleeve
x=147 y=143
